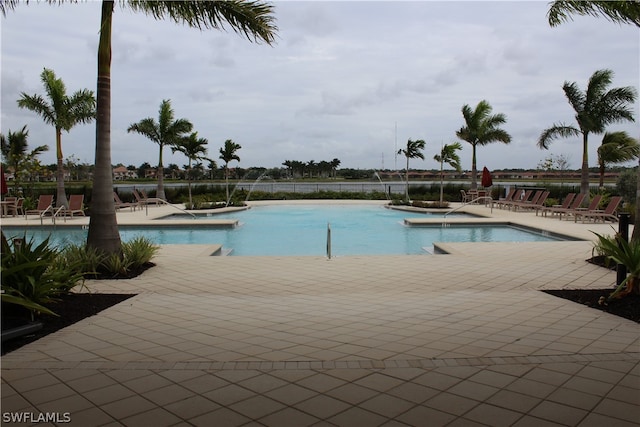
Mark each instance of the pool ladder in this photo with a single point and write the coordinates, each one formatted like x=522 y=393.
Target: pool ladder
x=328 y=240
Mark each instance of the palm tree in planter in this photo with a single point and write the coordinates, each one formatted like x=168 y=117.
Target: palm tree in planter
x=228 y=154
x=620 y=251
x=167 y=131
x=595 y=108
x=616 y=147
x=481 y=128
x=63 y=113
x=449 y=156
x=413 y=150
x=252 y=19
x=195 y=149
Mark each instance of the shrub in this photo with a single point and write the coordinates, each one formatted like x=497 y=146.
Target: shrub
x=139 y=251
x=32 y=278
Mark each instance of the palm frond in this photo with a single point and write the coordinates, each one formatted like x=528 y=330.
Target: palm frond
x=253 y=19
x=556 y=131
x=619 y=11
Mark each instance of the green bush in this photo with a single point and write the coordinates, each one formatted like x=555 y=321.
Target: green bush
x=32 y=278
x=139 y=251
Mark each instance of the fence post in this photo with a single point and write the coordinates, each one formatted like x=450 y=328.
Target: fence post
x=623 y=231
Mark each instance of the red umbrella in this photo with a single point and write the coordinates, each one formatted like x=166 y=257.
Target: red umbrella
x=3 y=186
x=487 y=181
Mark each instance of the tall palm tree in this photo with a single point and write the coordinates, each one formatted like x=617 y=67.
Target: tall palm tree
x=413 y=150
x=14 y=148
x=195 y=149
x=481 y=128
x=62 y=112
x=616 y=147
x=449 y=156
x=595 y=108
x=621 y=12
x=252 y=19
x=228 y=154
x=167 y=131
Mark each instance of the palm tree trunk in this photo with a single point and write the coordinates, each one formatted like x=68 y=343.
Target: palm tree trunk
x=189 y=185
x=160 y=189
x=474 y=169
x=103 y=226
x=226 y=180
x=61 y=196
x=601 y=183
x=636 y=224
x=441 y=182
x=406 y=177
x=584 y=178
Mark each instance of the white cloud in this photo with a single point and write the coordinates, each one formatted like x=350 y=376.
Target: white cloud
x=338 y=80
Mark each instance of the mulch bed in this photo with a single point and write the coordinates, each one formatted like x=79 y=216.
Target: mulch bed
x=71 y=308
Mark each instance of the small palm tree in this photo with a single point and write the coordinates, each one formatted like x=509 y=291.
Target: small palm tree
x=228 y=154
x=167 y=131
x=616 y=147
x=195 y=149
x=481 y=128
x=63 y=113
x=449 y=156
x=14 y=150
x=413 y=150
x=621 y=251
x=595 y=108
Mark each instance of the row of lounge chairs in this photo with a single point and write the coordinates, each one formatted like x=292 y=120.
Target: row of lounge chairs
x=75 y=205
x=571 y=206
x=141 y=200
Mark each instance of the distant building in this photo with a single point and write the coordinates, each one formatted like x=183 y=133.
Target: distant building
x=121 y=173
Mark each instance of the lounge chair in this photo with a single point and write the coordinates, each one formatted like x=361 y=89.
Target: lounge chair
x=607 y=213
x=577 y=202
x=120 y=204
x=463 y=196
x=143 y=199
x=566 y=203
x=506 y=198
x=76 y=207
x=516 y=199
x=536 y=203
x=17 y=208
x=45 y=204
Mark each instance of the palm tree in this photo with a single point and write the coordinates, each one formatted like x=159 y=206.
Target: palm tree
x=14 y=149
x=166 y=131
x=595 y=108
x=619 y=11
x=627 y=12
x=413 y=150
x=228 y=154
x=616 y=147
x=481 y=128
x=252 y=19
x=63 y=113
x=194 y=148
x=449 y=156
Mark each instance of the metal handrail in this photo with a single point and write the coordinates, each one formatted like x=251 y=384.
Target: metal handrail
x=489 y=198
x=146 y=205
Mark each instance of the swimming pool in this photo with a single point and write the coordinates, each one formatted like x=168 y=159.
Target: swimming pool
x=285 y=230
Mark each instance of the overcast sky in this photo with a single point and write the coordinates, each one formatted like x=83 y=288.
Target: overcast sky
x=340 y=79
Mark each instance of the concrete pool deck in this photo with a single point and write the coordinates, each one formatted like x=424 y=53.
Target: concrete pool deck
x=464 y=339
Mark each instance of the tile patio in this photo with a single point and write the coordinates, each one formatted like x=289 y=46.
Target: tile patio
x=464 y=339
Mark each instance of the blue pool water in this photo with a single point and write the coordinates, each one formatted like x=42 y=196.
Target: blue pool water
x=302 y=230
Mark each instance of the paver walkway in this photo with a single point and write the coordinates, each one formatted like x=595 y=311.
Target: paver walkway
x=463 y=339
